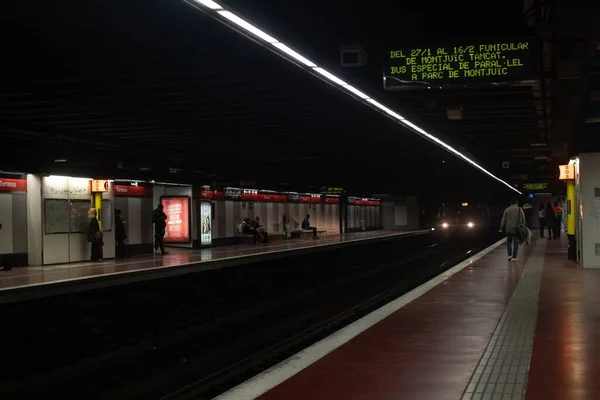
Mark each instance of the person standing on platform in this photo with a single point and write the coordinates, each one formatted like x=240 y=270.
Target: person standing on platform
x=94 y=235
x=159 y=219
x=512 y=216
x=542 y=219
x=558 y=212
x=120 y=234
x=550 y=221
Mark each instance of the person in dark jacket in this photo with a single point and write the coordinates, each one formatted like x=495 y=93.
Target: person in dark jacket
x=542 y=219
x=261 y=233
x=306 y=226
x=550 y=221
x=159 y=219
x=120 y=234
x=95 y=235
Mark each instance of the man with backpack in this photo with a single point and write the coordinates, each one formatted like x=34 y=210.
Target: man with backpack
x=513 y=225
x=159 y=219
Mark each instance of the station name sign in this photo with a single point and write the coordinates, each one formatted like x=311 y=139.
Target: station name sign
x=489 y=62
x=13 y=185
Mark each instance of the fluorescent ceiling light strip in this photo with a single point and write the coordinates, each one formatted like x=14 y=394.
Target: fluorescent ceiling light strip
x=385 y=109
x=210 y=4
x=328 y=75
x=456 y=152
x=357 y=92
x=249 y=27
x=294 y=54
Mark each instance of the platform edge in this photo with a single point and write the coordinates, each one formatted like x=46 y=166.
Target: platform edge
x=272 y=377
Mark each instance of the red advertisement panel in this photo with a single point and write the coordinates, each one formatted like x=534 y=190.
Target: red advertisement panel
x=178 y=219
x=133 y=191
x=366 y=202
x=212 y=194
x=332 y=200
x=272 y=198
x=310 y=199
x=13 y=185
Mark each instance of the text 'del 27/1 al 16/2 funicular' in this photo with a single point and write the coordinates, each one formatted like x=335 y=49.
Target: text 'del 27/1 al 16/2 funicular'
x=481 y=63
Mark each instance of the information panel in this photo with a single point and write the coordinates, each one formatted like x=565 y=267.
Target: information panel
x=56 y=216
x=460 y=64
x=79 y=215
x=205 y=223
x=177 y=209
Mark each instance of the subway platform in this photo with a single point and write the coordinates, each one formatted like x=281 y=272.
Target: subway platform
x=486 y=329
x=34 y=282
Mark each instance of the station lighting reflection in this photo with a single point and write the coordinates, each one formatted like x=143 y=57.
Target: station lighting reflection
x=298 y=59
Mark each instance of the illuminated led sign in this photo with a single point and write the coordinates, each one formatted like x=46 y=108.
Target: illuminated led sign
x=466 y=63
x=331 y=190
x=533 y=186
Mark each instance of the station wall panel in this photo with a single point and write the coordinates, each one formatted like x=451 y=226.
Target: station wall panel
x=588 y=212
x=13 y=217
x=136 y=211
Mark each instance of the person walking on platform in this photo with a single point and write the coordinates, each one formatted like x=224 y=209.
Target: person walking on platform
x=550 y=221
x=542 y=219
x=512 y=216
x=159 y=219
x=558 y=212
x=94 y=235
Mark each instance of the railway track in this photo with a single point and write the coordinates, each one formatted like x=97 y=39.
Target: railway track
x=195 y=337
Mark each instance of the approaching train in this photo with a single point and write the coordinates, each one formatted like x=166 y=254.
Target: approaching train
x=466 y=218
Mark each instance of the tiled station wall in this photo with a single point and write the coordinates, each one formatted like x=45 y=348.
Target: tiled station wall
x=229 y=214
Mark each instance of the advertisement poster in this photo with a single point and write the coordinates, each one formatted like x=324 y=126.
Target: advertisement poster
x=205 y=223
x=178 y=219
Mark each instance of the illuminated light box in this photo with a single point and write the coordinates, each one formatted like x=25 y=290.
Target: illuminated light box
x=177 y=209
x=460 y=64
x=567 y=172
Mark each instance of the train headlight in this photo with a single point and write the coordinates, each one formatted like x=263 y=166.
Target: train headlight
x=445 y=225
x=471 y=225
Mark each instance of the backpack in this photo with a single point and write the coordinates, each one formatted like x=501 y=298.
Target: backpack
x=241 y=227
x=155 y=216
x=521 y=230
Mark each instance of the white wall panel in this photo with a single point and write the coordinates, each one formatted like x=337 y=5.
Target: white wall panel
x=6 y=219
x=34 y=220
x=56 y=248
x=134 y=223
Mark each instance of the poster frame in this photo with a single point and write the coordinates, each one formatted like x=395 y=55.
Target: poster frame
x=189 y=201
x=200 y=222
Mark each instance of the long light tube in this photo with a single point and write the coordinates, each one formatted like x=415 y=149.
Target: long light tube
x=295 y=57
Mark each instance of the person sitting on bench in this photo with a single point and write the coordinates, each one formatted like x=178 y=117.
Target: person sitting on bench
x=306 y=226
x=260 y=231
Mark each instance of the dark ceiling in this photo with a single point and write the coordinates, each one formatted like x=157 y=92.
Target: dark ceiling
x=115 y=86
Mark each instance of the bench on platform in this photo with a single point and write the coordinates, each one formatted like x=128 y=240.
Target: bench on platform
x=302 y=233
